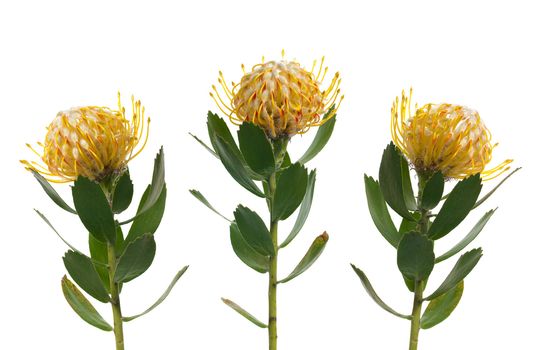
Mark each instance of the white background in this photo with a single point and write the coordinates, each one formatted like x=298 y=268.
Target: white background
x=490 y=56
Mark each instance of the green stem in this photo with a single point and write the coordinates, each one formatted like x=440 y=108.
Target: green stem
x=416 y=315
x=114 y=298
x=422 y=227
x=272 y=325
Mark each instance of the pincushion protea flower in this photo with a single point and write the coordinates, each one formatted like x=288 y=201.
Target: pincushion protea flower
x=281 y=97
x=444 y=137
x=90 y=141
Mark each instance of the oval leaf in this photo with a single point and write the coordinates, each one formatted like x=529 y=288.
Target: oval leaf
x=149 y=221
x=50 y=191
x=256 y=149
x=216 y=126
x=94 y=210
x=379 y=212
x=468 y=238
x=321 y=138
x=290 y=190
x=440 y=308
x=415 y=256
x=433 y=191
x=305 y=208
x=244 y=313
x=390 y=181
x=456 y=207
x=83 y=272
x=313 y=253
x=254 y=231
x=123 y=194
x=136 y=259
x=82 y=306
x=99 y=254
x=245 y=252
x=235 y=166
x=371 y=292
x=407 y=189
x=462 y=268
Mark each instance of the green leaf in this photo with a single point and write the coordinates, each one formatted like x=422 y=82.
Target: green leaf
x=433 y=191
x=440 y=308
x=83 y=272
x=79 y=303
x=407 y=189
x=235 y=166
x=56 y=232
x=409 y=225
x=379 y=212
x=94 y=210
x=150 y=220
x=291 y=188
x=256 y=149
x=456 y=207
x=390 y=181
x=415 y=256
x=158 y=183
x=245 y=252
x=203 y=200
x=136 y=259
x=474 y=232
x=161 y=298
x=305 y=208
x=123 y=194
x=484 y=198
x=253 y=230
x=244 y=313
x=205 y=145
x=50 y=191
x=217 y=127
x=99 y=253
x=371 y=292
x=462 y=268
x=321 y=138
x=313 y=253
x=286 y=162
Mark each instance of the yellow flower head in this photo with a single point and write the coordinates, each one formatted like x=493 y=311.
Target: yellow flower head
x=90 y=141
x=444 y=137
x=281 y=97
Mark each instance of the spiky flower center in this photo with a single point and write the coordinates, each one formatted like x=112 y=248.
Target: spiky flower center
x=444 y=137
x=91 y=141
x=279 y=96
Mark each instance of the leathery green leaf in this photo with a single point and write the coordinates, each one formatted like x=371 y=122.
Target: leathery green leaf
x=305 y=208
x=256 y=149
x=379 y=212
x=161 y=298
x=371 y=292
x=440 y=308
x=244 y=313
x=291 y=188
x=321 y=138
x=83 y=272
x=50 y=191
x=253 y=230
x=136 y=259
x=123 y=193
x=149 y=221
x=474 y=232
x=94 y=210
x=313 y=253
x=456 y=207
x=83 y=308
x=245 y=252
x=462 y=268
x=433 y=191
x=390 y=181
x=415 y=256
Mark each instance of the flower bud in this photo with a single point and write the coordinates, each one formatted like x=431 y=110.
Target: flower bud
x=94 y=142
x=444 y=137
x=281 y=97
